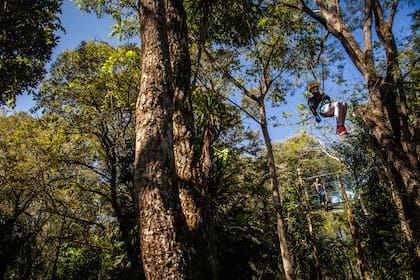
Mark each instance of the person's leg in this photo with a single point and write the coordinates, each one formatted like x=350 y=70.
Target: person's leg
x=328 y=110
x=340 y=112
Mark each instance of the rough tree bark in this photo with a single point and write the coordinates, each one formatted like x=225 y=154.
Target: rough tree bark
x=162 y=230
x=192 y=190
x=183 y=123
x=361 y=260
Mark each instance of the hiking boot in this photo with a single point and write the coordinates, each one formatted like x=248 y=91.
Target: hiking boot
x=341 y=130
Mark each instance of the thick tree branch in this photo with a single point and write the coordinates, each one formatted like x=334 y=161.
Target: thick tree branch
x=205 y=6
x=228 y=75
x=367 y=33
x=237 y=106
x=74 y=218
x=330 y=18
x=393 y=12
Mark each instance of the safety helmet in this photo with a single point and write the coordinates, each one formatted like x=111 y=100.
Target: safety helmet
x=312 y=84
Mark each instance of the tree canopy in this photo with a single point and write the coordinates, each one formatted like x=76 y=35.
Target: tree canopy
x=27 y=39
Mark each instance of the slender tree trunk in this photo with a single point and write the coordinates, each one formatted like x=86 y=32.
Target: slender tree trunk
x=209 y=233
x=284 y=250
x=162 y=229
x=125 y=227
x=307 y=210
x=57 y=250
x=361 y=260
x=281 y=231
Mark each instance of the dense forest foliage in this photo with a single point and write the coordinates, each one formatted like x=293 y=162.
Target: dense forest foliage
x=141 y=162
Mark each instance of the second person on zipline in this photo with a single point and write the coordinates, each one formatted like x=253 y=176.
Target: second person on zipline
x=321 y=106
x=320 y=191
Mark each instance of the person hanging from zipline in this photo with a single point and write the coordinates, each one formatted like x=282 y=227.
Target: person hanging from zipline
x=320 y=191
x=321 y=106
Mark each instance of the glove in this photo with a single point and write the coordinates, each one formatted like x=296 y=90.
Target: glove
x=318 y=119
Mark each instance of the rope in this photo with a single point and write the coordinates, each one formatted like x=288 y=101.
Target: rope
x=322 y=175
x=322 y=69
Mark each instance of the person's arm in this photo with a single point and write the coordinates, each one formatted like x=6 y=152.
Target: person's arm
x=326 y=99
x=316 y=185
x=312 y=107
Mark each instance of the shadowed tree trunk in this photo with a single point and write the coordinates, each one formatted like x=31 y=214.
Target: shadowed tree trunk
x=361 y=260
x=191 y=189
x=385 y=172
x=183 y=123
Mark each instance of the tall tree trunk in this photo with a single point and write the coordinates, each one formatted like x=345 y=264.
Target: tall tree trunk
x=281 y=231
x=396 y=186
x=307 y=210
x=162 y=230
x=361 y=260
x=209 y=231
x=402 y=160
x=192 y=190
x=393 y=152
x=183 y=123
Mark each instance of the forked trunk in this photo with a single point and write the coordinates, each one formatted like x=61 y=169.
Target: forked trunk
x=162 y=231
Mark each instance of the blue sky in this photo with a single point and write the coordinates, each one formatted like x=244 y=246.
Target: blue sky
x=81 y=26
